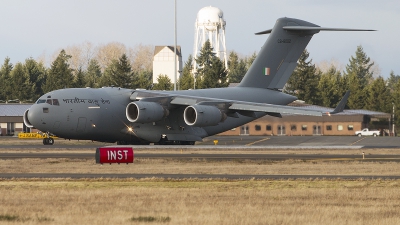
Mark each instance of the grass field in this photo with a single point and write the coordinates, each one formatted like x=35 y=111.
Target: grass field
x=199 y=202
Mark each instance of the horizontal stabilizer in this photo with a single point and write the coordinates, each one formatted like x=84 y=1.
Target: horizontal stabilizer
x=264 y=32
x=306 y=28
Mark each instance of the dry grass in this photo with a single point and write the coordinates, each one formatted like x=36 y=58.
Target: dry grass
x=202 y=166
x=201 y=202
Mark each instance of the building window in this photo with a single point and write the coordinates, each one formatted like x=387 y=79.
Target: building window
x=340 y=127
x=281 y=130
x=328 y=127
x=350 y=127
x=269 y=127
x=257 y=127
x=293 y=127
x=303 y=127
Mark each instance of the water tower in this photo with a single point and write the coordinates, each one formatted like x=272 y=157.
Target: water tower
x=210 y=25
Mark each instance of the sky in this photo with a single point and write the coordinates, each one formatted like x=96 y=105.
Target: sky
x=33 y=28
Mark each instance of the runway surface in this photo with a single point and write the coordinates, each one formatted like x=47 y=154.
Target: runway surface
x=251 y=142
x=218 y=156
x=235 y=143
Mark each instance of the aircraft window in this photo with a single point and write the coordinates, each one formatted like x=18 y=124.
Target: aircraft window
x=40 y=101
x=55 y=102
x=48 y=101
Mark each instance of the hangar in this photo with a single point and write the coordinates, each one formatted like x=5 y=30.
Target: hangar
x=11 y=119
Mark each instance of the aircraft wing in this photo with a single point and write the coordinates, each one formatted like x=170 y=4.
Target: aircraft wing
x=244 y=108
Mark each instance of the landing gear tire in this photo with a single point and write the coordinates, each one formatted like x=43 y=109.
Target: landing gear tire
x=48 y=141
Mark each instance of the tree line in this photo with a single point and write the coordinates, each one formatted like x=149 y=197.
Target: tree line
x=115 y=65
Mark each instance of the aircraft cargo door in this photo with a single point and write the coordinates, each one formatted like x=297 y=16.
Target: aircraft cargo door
x=81 y=124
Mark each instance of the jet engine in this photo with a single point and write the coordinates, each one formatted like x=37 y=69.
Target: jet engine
x=26 y=120
x=145 y=112
x=203 y=115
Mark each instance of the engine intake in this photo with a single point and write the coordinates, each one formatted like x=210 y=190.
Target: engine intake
x=145 y=112
x=203 y=115
x=26 y=120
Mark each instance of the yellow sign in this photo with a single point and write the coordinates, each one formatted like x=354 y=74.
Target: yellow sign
x=32 y=136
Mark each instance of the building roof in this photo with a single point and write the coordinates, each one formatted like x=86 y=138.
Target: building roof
x=157 y=49
x=13 y=109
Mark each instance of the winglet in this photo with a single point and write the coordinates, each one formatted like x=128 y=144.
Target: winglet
x=339 y=108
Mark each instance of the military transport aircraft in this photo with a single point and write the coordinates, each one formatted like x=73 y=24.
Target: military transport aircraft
x=126 y=116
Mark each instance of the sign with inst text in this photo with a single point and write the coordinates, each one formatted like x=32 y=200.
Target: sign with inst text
x=114 y=155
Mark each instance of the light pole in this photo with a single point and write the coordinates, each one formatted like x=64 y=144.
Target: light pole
x=393 y=120
x=175 y=45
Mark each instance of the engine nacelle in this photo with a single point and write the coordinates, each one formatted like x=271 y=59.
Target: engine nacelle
x=203 y=115
x=26 y=120
x=145 y=112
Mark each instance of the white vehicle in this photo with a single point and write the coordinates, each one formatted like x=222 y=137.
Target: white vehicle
x=367 y=132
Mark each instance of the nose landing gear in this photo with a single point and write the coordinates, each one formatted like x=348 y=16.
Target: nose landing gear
x=48 y=141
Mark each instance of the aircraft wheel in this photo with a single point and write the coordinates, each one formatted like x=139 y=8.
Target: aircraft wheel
x=50 y=141
x=45 y=141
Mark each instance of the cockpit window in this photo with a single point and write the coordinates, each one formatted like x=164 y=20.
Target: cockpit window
x=55 y=102
x=48 y=101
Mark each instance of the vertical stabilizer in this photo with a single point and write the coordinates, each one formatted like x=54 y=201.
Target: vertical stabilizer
x=278 y=57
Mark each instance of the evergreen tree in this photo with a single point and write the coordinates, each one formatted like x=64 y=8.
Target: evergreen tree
x=215 y=76
x=186 y=80
x=304 y=81
x=378 y=96
x=250 y=60
x=143 y=80
x=5 y=80
x=359 y=75
x=328 y=88
x=20 y=83
x=79 y=81
x=120 y=73
x=60 y=74
x=93 y=74
x=236 y=67
x=164 y=83
x=35 y=72
x=392 y=81
x=211 y=70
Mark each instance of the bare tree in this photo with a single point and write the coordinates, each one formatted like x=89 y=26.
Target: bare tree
x=105 y=54
x=142 y=57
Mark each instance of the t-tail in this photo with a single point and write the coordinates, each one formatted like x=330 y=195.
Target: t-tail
x=278 y=57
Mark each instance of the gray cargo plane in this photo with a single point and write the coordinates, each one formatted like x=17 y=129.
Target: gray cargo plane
x=127 y=116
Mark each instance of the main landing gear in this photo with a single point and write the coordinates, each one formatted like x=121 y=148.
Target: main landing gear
x=48 y=141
